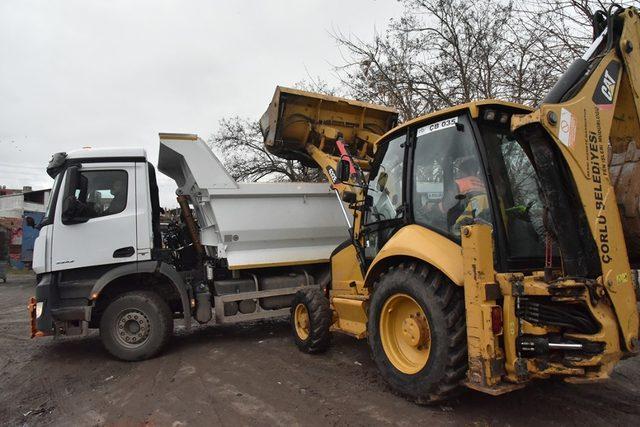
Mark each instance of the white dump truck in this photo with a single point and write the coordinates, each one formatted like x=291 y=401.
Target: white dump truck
x=239 y=251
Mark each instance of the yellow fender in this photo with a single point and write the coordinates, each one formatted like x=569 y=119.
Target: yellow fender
x=414 y=241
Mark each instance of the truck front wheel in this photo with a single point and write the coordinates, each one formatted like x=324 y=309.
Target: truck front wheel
x=136 y=325
x=417 y=332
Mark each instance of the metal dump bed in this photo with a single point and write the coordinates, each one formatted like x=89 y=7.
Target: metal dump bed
x=252 y=224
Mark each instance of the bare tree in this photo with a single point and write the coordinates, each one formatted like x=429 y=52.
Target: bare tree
x=240 y=143
x=438 y=54
x=441 y=53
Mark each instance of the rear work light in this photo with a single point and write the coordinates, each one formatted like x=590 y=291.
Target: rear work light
x=496 y=320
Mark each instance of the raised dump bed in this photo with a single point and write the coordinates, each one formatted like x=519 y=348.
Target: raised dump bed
x=252 y=225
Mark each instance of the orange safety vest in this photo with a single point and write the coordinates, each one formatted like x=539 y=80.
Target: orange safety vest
x=470 y=184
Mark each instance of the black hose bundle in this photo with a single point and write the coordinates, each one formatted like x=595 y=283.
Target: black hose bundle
x=572 y=317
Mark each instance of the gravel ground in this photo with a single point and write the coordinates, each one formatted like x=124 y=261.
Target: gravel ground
x=254 y=375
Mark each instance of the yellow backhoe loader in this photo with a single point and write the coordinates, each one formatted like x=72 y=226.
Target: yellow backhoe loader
x=491 y=243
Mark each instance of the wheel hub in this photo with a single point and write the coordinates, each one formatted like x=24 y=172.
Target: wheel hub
x=301 y=317
x=304 y=322
x=132 y=328
x=414 y=331
x=405 y=333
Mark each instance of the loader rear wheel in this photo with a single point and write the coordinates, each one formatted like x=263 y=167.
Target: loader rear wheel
x=136 y=325
x=417 y=333
x=310 y=320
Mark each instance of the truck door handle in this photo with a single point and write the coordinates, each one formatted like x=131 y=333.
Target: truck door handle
x=124 y=252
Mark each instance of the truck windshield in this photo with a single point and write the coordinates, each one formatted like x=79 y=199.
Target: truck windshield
x=517 y=192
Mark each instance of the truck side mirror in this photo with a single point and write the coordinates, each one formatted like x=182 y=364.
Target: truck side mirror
x=342 y=170
x=71 y=207
x=73 y=178
x=30 y=221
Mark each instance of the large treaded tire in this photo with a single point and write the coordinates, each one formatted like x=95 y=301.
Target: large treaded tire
x=158 y=318
x=320 y=315
x=443 y=304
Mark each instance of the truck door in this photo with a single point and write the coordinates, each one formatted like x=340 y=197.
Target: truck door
x=100 y=228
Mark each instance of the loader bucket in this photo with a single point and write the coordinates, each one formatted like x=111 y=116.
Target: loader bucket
x=296 y=118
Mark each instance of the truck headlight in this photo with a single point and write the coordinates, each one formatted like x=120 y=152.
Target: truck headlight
x=39 y=306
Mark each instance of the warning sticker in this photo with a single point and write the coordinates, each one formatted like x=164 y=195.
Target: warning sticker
x=433 y=127
x=567 y=132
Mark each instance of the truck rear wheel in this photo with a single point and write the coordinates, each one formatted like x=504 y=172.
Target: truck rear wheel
x=310 y=320
x=417 y=333
x=136 y=325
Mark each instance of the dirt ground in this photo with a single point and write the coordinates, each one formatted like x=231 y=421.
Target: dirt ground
x=254 y=375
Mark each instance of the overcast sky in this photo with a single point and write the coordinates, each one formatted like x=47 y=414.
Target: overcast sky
x=116 y=73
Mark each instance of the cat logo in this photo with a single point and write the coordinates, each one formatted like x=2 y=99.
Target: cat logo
x=608 y=86
x=603 y=96
x=332 y=174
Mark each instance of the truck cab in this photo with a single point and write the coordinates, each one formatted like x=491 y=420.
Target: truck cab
x=95 y=191
x=99 y=242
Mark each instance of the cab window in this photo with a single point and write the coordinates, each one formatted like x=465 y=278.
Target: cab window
x=517 y=191
x=448 y=184
x=106 y=192
x=385 y=190
x=96 y=194
x=385 y=184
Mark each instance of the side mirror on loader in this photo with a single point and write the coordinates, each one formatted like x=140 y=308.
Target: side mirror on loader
x=349 y=197
x=343 y=170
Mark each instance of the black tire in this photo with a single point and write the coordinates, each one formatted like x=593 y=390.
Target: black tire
x=317 y=306
x=443 y=305
x=153 y=317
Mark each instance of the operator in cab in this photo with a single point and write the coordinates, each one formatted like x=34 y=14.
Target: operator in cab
x=119 y=200
x=463 y=197
x=472 y=194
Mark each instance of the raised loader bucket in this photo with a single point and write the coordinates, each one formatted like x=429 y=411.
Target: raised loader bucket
x=296 y=118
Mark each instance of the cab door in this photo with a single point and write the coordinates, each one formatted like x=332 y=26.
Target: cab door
x=386 y=212
x=101 y=227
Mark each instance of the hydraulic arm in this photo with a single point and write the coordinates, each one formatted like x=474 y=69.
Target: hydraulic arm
x=589 y=118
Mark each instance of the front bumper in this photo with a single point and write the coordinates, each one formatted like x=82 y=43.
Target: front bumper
x=51 y=315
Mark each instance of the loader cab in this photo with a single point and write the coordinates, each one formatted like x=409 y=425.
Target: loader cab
x=104 y=210
x=461 y=165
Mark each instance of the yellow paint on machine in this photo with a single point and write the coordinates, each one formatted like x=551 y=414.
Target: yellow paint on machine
x=352 y=316
x=417 y=242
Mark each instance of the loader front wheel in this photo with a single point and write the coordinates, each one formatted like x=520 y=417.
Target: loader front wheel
x=136 y=325
x=417 y=333
x=310 y=320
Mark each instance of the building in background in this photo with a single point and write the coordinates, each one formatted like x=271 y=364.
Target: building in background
x=16 y=238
